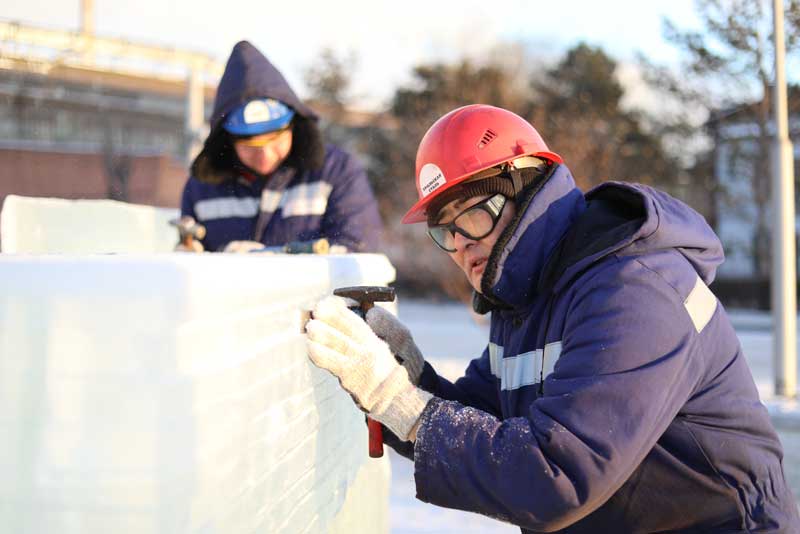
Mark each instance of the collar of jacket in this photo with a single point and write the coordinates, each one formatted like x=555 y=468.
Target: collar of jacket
x=612 y=220
x=544 y=213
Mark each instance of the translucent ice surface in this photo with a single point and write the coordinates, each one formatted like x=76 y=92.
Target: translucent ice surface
x=172 y=394
x=55 y=225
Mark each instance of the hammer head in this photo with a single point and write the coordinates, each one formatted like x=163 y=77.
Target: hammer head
x=187 y=226
x=366 y=296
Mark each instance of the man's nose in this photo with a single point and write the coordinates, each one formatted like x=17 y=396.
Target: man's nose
x=461 y=242
x=267 y=153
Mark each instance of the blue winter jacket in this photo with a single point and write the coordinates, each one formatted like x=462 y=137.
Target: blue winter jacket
x=613 y=396
x=319 y=191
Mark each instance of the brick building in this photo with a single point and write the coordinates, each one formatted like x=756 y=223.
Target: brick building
x=87 y=117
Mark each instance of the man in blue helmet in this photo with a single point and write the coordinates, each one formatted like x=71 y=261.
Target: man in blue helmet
x=265 y=177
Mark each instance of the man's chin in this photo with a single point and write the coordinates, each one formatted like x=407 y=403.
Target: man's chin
x=476 y=283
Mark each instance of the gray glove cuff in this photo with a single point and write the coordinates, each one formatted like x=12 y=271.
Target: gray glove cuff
x=404 y=408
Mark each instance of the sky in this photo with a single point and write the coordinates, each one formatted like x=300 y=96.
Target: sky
x=387 y=38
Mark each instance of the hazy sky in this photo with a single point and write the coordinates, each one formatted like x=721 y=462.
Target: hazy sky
x=387 y=37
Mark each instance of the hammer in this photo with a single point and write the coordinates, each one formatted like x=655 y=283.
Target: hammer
x=367 y=296
x=189 y=230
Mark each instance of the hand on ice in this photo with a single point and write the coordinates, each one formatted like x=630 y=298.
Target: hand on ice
x=242 y=246
x=399 y=339
x=196 y=246
x=342 y=343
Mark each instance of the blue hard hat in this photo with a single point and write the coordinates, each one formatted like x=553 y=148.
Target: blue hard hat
x=257 y=117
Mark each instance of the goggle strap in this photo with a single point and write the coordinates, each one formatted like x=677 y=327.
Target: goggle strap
x=516 y=179
x=487 y=186
x=509 y=184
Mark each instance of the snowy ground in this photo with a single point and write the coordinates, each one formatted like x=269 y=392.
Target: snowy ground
x=450 y=335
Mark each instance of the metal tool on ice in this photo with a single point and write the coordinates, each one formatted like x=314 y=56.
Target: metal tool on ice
x=189 y=231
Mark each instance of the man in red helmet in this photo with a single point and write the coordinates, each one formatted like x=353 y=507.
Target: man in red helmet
x=613 y=395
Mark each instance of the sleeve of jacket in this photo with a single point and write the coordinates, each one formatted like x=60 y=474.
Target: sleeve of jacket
x=623 y=374
x=477 y=388
x=187 y=200
x=351 y=217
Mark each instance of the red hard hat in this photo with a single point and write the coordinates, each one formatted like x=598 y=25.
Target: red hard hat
x=468 y=140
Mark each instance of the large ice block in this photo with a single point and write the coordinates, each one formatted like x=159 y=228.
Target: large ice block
x=54 y=225
x=172 y=394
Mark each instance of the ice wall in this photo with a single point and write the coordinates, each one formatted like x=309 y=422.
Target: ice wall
x=54 y=225
x=172 y=394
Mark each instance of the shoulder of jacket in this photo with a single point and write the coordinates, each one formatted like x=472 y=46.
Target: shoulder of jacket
x=664 y=276
x=340 y=167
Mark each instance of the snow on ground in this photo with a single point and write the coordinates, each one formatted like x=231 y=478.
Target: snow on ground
x=450 y=335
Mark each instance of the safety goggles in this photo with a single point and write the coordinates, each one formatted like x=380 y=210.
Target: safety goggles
x=260 y=141
x=475 y=222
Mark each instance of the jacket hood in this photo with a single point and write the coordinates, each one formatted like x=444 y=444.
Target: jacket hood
x=614 y=218
x=634 y=219
x=248 y=75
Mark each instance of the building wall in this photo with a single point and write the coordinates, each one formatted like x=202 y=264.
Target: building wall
x=737 y=213
x=58 y=125
x=736 y=151
x=55 y=109
x=154 y=179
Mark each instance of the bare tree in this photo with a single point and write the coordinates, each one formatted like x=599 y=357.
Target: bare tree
x=328 y=80
x=578 y=109
x=729 y=64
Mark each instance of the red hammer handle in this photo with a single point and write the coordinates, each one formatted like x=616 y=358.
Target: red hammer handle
x=374 y=427
x=375 y=438
x=366 y=297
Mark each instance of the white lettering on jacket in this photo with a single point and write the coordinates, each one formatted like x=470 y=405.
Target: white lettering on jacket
x=524 y=369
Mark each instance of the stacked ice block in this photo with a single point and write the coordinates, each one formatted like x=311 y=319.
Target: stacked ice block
x=172 y=393
x=36 y=225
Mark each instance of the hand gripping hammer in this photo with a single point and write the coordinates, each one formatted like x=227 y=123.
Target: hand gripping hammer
x=367 y=296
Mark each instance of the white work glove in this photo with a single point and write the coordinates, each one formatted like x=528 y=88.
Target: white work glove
x=242 y=246
x=342 y=343
x=399 y=339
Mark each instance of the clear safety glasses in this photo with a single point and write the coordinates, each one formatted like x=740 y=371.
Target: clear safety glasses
x=475 y=222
